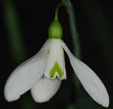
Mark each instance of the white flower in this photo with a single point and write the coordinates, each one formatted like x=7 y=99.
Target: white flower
x=43 y=73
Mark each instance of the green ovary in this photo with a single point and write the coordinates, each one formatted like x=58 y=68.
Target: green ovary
x=55 y=30
x=56 y=68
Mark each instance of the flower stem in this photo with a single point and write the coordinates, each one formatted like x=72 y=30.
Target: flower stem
x=56 y=11
x=74 y=33
x=75 y=36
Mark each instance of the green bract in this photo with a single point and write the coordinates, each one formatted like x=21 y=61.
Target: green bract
x=55 y=30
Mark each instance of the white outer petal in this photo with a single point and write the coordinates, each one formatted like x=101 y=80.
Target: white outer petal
x=45 y=89
x=26 y=74
x=56 y=54
x=89 y=79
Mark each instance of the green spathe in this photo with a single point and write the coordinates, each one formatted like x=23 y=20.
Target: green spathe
x=56 y=68
x=55 y=30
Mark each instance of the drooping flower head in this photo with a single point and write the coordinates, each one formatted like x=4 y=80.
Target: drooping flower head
x=43 y=73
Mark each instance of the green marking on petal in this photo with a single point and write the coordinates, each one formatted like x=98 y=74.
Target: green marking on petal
x=56 y=68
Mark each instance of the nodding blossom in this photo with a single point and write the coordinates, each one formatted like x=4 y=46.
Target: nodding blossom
x=44 y=72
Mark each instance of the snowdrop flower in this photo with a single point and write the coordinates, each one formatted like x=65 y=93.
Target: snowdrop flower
x=43 y=73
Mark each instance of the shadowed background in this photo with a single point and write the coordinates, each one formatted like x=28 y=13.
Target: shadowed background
x=95 y=29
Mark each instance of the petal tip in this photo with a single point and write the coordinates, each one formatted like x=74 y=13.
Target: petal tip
x=45 y=89
x=10 y=97
x=40 y=100
x=106 y=102
x=103 y=99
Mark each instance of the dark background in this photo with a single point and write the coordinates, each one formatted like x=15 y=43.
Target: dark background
x=34 y=19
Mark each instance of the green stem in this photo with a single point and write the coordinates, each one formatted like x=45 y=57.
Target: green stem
x=74 y=33
x=56 y=11
x=75 y=37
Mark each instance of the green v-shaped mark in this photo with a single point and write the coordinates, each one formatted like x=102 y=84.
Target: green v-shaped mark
x=56 y=68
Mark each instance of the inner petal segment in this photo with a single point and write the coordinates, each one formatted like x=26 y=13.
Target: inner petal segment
x=55 y=61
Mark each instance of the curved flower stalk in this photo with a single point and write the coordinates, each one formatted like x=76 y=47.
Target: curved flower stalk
x=44 y=72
